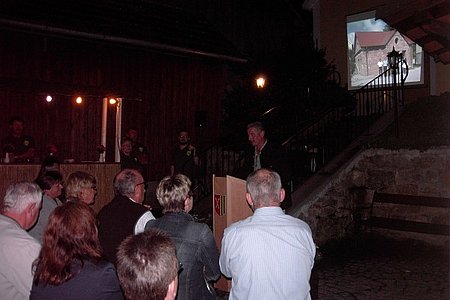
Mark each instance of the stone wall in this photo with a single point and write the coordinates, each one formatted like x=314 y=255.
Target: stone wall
x=331 y=210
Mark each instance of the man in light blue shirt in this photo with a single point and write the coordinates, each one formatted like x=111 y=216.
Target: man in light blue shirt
x=269 y=255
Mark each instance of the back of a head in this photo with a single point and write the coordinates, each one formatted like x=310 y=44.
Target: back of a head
x=19 y=195
x=172 y=191
x=77 y=181
x=264 y=187
x=71 y=233
x=147 y=265
x=125 y=182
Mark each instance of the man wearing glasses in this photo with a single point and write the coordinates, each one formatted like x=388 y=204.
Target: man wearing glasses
x=125 y=214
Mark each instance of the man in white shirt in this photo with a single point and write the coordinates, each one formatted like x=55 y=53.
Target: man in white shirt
x=269 y=255
x=18 y=249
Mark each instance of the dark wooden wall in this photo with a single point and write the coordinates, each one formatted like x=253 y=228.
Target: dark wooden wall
x=172 y=89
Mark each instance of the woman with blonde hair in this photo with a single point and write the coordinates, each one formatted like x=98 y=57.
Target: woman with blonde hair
x=81 y=185
x=70 y=265
x=196 y=248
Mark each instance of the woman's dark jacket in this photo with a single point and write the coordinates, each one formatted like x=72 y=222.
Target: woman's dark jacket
x=196 y=251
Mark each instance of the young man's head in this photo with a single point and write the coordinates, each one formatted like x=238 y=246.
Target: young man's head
x=183 y=137
x=16 y=126
x=133 y=134
x=51 y=183
x=147 y=266
x=126 y=146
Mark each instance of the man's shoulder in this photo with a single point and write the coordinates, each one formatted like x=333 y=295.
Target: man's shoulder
x=121 y=205
x=7 y=138
x=285 y=222
x=49 y=203
x=239 y=225
x=139 y=148
x=12 y=235
x=9 y=141
x=106 y=209
x=272 y=146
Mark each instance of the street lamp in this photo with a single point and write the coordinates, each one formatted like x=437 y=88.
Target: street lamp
x=260 y=82
x=394 y=57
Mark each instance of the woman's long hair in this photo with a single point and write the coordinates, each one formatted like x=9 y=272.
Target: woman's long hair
x=71 y=234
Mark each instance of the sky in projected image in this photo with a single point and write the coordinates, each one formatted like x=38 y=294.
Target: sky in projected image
x=365 y=54
x=363 y=25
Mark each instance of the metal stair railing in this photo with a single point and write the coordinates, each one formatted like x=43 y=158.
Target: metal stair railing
x=317 y=143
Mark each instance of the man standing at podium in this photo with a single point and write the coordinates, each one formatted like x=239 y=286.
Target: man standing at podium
x=266 y=154
x=269 y=255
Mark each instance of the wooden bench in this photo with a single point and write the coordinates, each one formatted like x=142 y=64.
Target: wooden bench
x=408 y=225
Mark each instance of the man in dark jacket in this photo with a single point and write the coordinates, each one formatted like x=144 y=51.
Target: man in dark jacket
x=268 y=155
x=125 y=214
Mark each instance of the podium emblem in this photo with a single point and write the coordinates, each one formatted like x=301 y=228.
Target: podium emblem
x=220 y=204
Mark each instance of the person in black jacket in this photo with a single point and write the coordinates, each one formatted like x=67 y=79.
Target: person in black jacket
x=125 y=214
x=127 y=159
x=266 y=154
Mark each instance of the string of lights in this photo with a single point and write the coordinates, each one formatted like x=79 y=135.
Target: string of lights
x=78 y=99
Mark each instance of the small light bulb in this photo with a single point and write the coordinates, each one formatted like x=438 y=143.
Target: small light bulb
x=112 y=101
x=79 y=100
x=49 y=98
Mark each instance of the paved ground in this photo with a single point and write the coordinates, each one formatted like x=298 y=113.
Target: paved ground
x=377 y=268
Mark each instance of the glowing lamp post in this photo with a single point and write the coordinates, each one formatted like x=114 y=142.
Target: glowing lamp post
x=394 y=58
x=260 y=82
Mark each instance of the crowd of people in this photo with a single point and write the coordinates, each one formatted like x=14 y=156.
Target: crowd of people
x=54 y=246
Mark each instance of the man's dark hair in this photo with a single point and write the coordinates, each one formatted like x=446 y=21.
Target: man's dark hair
x=14 y=119
x=146 y=265
x=125 y=139
x=132 y=128
x=46 y=180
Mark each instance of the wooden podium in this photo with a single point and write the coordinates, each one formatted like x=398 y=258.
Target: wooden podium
x=229 y=206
